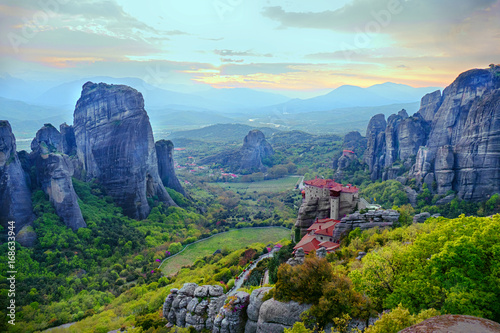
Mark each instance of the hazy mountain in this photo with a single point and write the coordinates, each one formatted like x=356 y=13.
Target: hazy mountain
x=22 y=90
x=247 y=98
x=221 y=133
x=338 y=121
x=223 y=100
x=351 y=96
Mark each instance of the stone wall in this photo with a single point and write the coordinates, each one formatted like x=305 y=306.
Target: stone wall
x=208 y=308
x=371 y=219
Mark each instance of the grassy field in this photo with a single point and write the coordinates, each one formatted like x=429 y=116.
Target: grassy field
x=273 y=185
x=232 y=240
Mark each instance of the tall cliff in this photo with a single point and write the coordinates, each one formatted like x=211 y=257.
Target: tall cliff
x=249 y=158
x=15 y=195
x=166 y=170
x=463 y=148
x=451 y=143
x=54 y=171
x=115 y=145
x=353 y=145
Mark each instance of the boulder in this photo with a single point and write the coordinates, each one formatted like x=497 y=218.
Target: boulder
x=215 y=291
x=201 y=291
x=274 y=316
x=255 y=302
x=421 y=218
x=454 y=324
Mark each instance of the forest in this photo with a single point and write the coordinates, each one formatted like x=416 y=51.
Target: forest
x=106 y=276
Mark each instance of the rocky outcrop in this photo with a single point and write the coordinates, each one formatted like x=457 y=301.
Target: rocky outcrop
x=249 y=158
x=375 y=135
x=354 y=145
x=233 y=315
x=275 y=316
x=310 y=210
x=454 y=324
x=255 y=149
x=462 y=150
x=207 y=308
x=166 y=170
x=356 y=142
x=68 y=140
x=256 y=301
x=429 y=105
x=421 y=218
x=452 y=143
x=115 y=145
x=54 y=171
x=15 y=195
x=391 y=151
x=193 y=305
x=368 y=220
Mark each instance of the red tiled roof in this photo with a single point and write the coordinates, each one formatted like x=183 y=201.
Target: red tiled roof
x=308 y=243
x=348 y=151
x=329 y=245
x=331 y=184
x=323 y=224
x=325 y=232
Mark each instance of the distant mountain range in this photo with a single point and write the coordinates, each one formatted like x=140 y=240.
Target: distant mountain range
x=351 y=96
x=30 y=104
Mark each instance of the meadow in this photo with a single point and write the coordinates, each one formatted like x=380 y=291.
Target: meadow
x=272 y=185
x=231 y=240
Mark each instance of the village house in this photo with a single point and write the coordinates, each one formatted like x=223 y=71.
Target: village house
x=319 y=234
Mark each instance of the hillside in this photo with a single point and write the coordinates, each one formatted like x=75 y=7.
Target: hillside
x=222 y=133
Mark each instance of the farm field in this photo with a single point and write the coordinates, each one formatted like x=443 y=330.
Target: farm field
x=273 y=185
x=232 y=240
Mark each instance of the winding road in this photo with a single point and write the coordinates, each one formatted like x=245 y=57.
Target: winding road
x=245 y=274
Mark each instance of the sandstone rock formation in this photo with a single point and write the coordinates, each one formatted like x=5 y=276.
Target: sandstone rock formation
x=311 y=210
x=462 y=151
x=115 y=145
x=420 y=218
x=275 y=316
x=452 y=143
x=194 y=305
x=454 y=324
x=68 y=140
x=429 y=104
x=15 y=195
x=166 y=170
x=54 y=171
x=375 y=135
x=249 y=158
x=370 y=219
x=354 y=145
x=255 y=149
x=254 y=308
x=233 y=315
x=207 y=308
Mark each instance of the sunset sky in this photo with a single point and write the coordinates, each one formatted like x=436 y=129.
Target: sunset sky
x=284 y=46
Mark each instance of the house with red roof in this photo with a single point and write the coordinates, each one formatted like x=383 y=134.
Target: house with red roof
x=319 y=234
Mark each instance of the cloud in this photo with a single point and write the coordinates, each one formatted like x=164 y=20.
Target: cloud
x=176 y=33
x=232 y=53
x=432 y=27
x=397 y=12
x=232 y=60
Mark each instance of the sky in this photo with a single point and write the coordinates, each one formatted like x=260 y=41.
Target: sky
x=291 y=47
